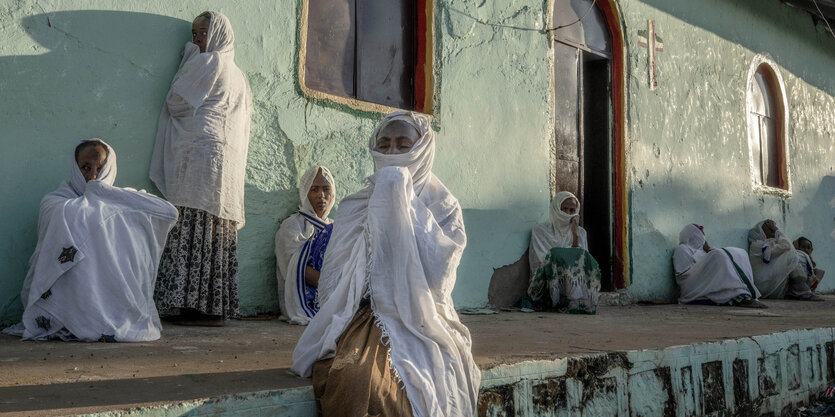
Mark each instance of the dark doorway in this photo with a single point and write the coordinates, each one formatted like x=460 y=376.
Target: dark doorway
x=583 y=116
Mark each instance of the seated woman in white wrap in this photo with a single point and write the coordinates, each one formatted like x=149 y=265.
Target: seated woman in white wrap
x=300 y=245
x=199 y=166
x=773 y=260
x=91 y=277
x=565 y=277
x=712 y=276
x=387 y=316
x=808 y=267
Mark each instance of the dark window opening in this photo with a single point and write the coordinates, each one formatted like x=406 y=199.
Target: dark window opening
x=363 y=49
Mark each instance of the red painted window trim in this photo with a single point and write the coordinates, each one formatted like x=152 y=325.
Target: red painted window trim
x=621 y=247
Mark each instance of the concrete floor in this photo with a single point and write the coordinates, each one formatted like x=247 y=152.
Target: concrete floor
x=57 y=378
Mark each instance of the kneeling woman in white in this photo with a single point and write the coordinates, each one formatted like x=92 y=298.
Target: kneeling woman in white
x=387 y=318
x=92 y=275
x=300 y=247
x=712 y=276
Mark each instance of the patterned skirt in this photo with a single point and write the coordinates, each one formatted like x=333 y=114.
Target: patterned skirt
x=568 y=281
x=199 y=266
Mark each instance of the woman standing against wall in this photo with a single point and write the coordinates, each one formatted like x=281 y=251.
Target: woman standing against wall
x=199 y=165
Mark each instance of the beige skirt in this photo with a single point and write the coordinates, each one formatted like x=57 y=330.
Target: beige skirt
x=357 y=381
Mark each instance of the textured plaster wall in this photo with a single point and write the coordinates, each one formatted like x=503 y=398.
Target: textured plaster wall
x=687 y=140
x=75 y=69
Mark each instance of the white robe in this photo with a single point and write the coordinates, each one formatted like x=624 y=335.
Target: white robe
x=95 y=264
x=710 y=275
x=202 y=140
x=555 y=233
x=399 y=241
x=772 y=260
x=292 y=247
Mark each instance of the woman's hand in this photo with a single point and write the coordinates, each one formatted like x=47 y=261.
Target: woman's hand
x=575 y=231
x=706 y=247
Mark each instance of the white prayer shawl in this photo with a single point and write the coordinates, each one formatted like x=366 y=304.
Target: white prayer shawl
x=95 y=264
x=772 y=260
x=202 y=140
x=555 y=233
x=399 y=241
x=292 y=247
x=710 y=275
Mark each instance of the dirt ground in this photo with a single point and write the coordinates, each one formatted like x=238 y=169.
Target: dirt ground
x=58 y=378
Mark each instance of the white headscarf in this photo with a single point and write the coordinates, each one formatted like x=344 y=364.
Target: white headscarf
x=555 y=233
x=199 y=158
x=691 y=248
x=306 y=181
x=772 y=260
x=560 y=220
x=399 y=241
x=107 y=173
x=419 y=159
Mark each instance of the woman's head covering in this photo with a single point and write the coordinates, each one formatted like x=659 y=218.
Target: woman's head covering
x=692 y=236
x=756 y=233
x=419 y=159
x=560 y=220
x=306 y=181
x=107 y=174
x=691 y=241
x=220 y=38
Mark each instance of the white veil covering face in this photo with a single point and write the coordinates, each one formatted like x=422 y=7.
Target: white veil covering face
x=555 y=233
x=690 y=249
x=399 y=242
x=772 y=260
x=292 y=247
x=202 y=140
x=93 y=271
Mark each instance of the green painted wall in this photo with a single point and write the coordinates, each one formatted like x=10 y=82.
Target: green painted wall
x=74 y=69
x=687 y=140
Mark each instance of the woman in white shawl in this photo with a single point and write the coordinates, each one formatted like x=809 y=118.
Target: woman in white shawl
x=91 y=277
x=565 y=277
x=386 y=314
x=199 y=166
x=773 y=259
x=712 y=276
x=300 y=245
x=808 y=267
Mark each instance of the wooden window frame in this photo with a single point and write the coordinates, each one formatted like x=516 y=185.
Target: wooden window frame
x=621 y=259
x=424 y=67
x=775 y=81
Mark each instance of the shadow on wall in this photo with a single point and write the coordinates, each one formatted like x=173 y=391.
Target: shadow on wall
x=88 y=73
x=821 y=206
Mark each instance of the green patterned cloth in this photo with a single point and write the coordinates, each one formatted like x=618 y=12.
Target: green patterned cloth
x=567 y=281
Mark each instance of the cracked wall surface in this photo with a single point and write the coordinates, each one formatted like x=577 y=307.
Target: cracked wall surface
x=76 y=69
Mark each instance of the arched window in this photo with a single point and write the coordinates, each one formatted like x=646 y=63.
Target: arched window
x=366 y=52
x=767 y=114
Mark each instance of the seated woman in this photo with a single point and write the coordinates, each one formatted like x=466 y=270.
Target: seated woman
x=387 y=319
x=92 y=275
x=808 y=267
x=712 y=276
x=557 y=247
x=300 y=247
x=773 y=259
